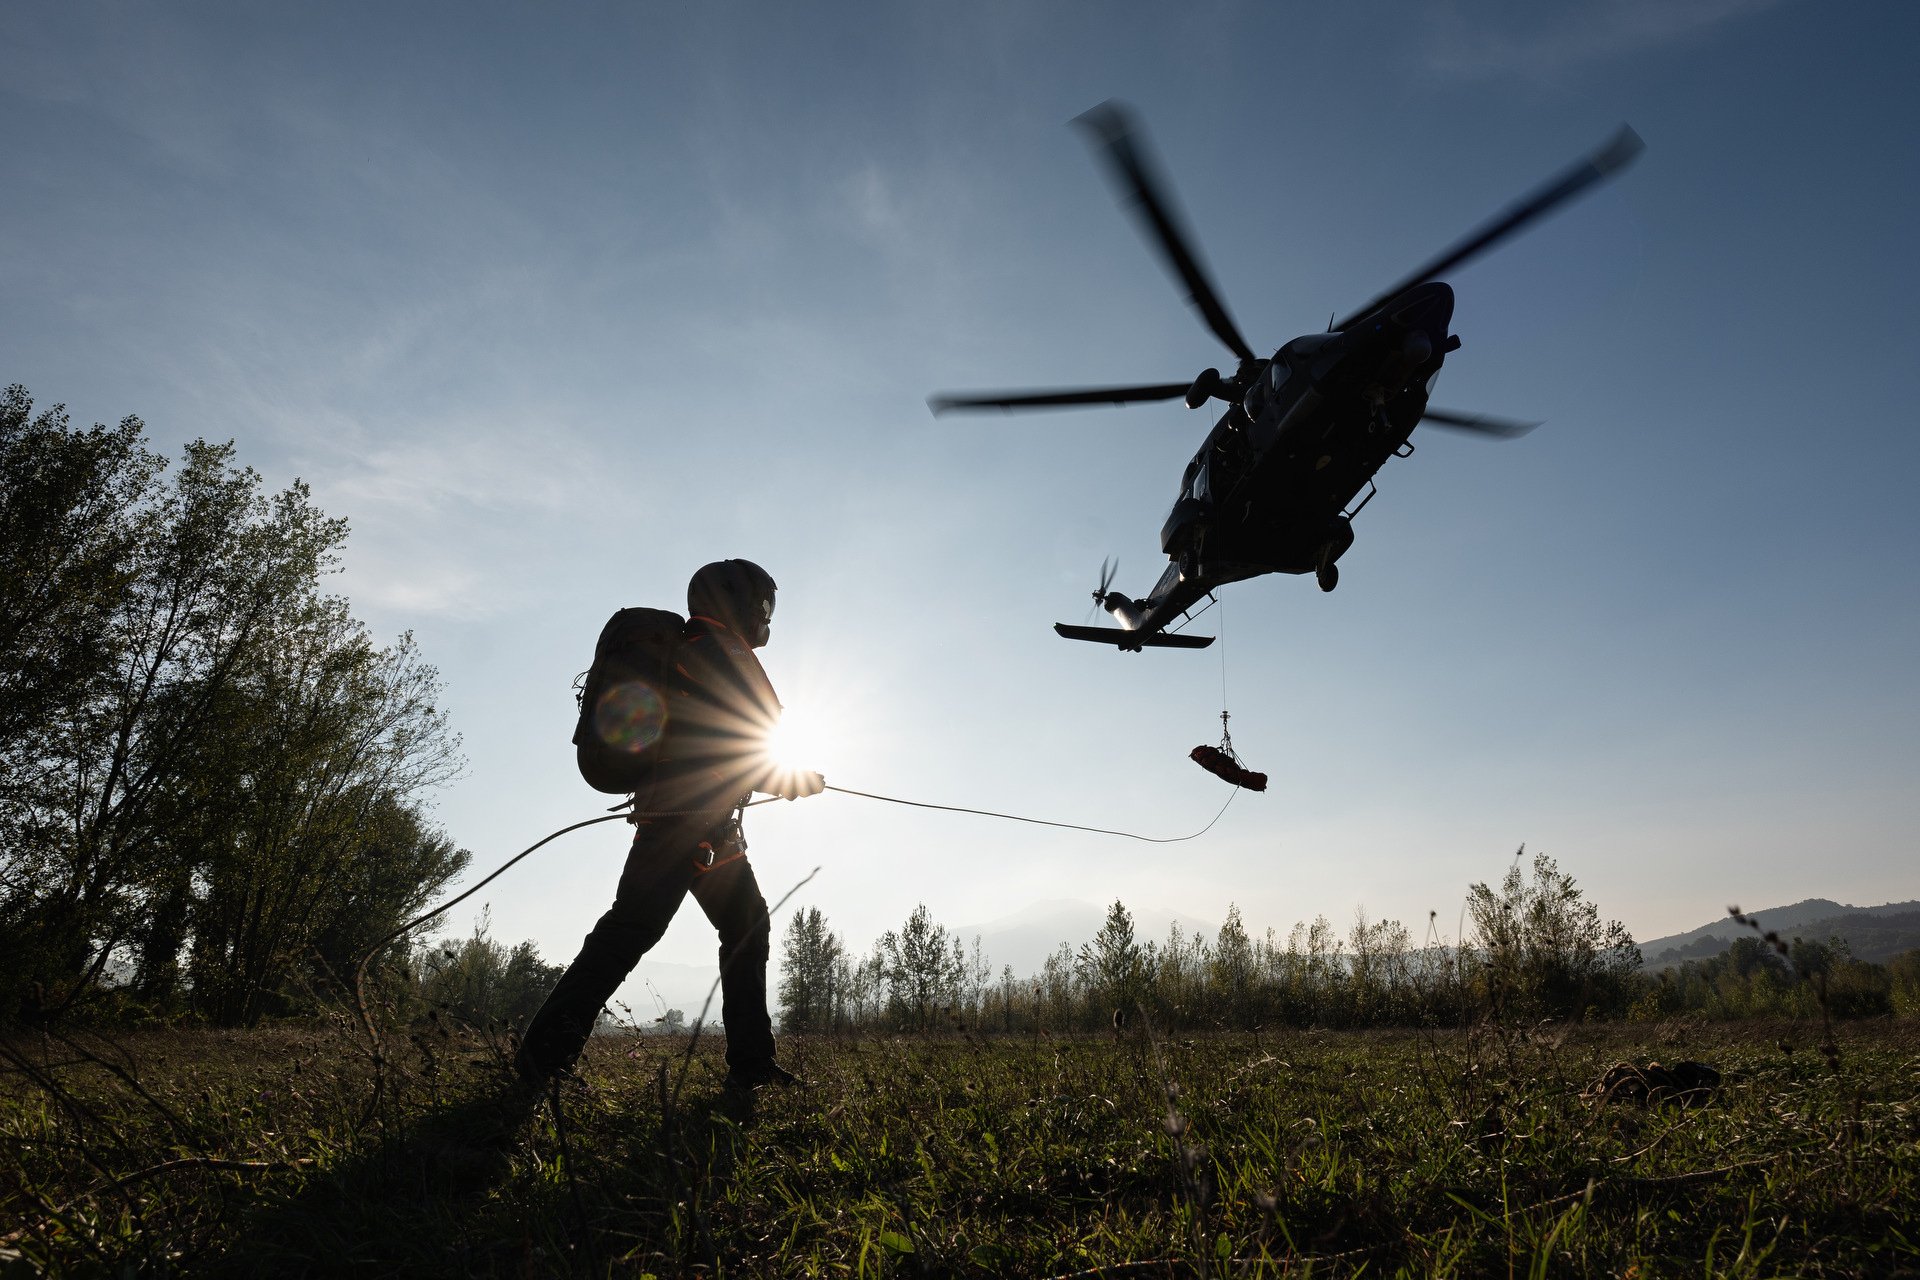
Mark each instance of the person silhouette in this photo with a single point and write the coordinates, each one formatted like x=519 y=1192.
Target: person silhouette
x=687 y=836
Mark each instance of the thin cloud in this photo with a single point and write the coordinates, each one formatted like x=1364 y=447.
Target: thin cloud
x=1559 y=40
x=404 y=590
x=524 y=467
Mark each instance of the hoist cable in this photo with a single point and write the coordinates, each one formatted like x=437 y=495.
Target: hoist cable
x=1226 y=734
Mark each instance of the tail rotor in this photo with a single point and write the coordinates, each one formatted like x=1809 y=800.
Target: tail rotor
x=1108 y=567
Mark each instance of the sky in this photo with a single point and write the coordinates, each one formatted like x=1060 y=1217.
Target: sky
x=557 y=303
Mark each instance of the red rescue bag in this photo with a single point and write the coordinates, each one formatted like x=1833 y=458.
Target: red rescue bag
x=1221 y=765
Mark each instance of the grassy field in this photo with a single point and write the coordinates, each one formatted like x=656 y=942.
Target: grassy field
x=1288 y=1153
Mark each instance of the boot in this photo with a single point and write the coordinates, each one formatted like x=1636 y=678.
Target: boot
x=769 y=1072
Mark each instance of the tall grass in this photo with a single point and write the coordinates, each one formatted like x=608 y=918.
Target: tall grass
x=1134 y=1152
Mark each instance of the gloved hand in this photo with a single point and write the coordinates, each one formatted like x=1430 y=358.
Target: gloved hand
x=800 y=783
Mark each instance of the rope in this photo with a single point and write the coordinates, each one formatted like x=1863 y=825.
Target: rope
x=625 y=816
x=1042 y=822
x=360 y=969
x=620 y=814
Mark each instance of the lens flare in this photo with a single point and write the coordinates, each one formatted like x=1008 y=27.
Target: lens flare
x=630 y=716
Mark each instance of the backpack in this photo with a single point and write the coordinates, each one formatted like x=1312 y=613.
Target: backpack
x=627 y=699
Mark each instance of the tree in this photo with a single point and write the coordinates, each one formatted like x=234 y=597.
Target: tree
x=68 y=535
x=71 y=525
x=1178 y=974
x=924 y=965
x=1542 y=949
x=1055 y=987
x=485 y=982
x=1113 y=966
x=320 y=851
x=209 y=774
x=1377 y=968
x=1234 y=972
x=810 y=971
x=979 y=980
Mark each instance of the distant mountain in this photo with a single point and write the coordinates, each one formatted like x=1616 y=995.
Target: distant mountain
x=1873 y=933
x=1027 y=937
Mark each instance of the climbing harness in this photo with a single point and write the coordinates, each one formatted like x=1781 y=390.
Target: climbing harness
x=725 y=845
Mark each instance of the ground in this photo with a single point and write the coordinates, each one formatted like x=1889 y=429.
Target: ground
x=1245 y=1154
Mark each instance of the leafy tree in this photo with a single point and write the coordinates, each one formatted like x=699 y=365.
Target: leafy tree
x=1377 y=968
x=1179 y=975
x=68 y=536
x=209 y=774
x=978 y=981
x=924 y=966
x=485 y=982
x=811 y=973
x=1234 y=972
x=1542 y=948
x=315 y=850
x=1903 y=983
x=1113 y=966
x=1056 y=987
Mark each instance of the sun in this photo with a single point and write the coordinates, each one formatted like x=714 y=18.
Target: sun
x=800 y=740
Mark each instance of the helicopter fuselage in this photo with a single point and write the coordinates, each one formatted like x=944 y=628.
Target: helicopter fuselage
x=1273 y=487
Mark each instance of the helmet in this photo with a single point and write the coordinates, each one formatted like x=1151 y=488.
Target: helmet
x=738 y=593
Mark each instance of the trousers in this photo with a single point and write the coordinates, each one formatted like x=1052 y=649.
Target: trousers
x=665 y=864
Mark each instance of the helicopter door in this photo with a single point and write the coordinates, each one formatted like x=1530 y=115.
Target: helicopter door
x=1267 y=390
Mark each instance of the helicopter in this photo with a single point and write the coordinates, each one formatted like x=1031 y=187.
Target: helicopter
x=1276 y=484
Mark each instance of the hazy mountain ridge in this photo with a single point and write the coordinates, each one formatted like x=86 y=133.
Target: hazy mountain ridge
x=1872 y=933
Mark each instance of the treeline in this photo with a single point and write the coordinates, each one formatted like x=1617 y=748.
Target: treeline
x=1534 y=949
x=212 y=779
x=478 y=980
x=1752 y=979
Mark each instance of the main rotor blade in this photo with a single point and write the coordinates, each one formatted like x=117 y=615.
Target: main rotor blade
x=1132 y=169
x=1057 y=399
x=1608 y=160
x=1481 y=423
